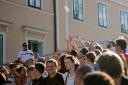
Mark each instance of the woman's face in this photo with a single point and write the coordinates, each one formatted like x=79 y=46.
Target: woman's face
x=68 y=64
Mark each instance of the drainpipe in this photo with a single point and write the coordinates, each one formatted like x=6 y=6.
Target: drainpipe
x=55 y=25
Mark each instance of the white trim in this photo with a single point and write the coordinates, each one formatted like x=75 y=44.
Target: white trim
x=39 y=40
x=58 y=34
x=34 y=29
x=4 y=47
x=27 y=7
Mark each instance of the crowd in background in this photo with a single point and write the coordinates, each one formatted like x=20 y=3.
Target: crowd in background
x=85 y=64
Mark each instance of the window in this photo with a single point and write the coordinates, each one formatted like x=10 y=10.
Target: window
x=102 y=15
x=78 y=9
x=1 y=49
x=124 y=21
x=34 y=3
x=36 y=46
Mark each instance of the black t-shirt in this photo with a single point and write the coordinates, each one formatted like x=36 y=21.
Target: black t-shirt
x=40 y=81
x=57 y=80
x=124 y=80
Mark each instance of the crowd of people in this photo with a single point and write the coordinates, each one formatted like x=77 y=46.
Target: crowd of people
x=86 y=64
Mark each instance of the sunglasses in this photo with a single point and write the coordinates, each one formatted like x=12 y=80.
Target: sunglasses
x=25 y=45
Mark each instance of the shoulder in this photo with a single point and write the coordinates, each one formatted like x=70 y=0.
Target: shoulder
x=30 y=51
x=65 y=75
x=124 y=80
x=60 y=75
x=21 y=52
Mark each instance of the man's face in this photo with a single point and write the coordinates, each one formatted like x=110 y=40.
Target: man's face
x=51 y=68
x=25 y=46
x=117 y=48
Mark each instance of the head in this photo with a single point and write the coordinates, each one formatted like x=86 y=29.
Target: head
x=25 y=46
x=82 y=58
x=111 y=63
x=97 y=52
x=84 y=51
x=30 y=70
x=74 y=53
x=12 y=67
x=98 y=78
x=91 y=56
x=121 y=45
x=98 y=47
x=30 y=61
x=87 y=43
x=110 y=44
x=70 y=62
x=51 y=67
x=81 y=71
x=41 y=60
x=39 y=68
x=22 y=71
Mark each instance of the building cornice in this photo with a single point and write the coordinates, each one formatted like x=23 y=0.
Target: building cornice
x=6 y=23
x=35 y=29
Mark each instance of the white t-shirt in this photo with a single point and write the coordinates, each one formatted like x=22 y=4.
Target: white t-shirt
x=25 y=55
x=69 y=80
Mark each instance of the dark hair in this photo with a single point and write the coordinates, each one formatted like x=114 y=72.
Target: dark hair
x=12 y=65
x=74 y=53
x=98 y=47
x=41 y=60
x=91 y=56
x=82 y=70
x=98 y=78
x=74 y=60
x=25 y=44
x=84 y=50
x=113 y=43
x=122 y=43
x=63 y=68
x=40 y=67
x=97 y=52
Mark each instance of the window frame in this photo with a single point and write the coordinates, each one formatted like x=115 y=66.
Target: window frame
x=106 y=13
x=122 y=29
x=38 y=40
x=77 y=18
x=34 y=6
x=4 y=47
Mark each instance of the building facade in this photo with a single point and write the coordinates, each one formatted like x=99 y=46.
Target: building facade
x=25 y=21
x=34 y=21
x=94 y=20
